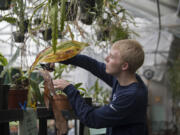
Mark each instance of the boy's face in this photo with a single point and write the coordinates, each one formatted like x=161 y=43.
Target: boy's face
x=114 y=63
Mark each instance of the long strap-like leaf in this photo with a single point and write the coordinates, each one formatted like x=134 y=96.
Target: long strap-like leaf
x=11 y=61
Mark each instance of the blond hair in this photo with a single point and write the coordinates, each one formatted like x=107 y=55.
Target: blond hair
x=131 y=52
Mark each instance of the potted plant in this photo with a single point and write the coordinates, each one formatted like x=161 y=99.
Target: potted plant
x=5 y=4
x=47 y=34
x=99 y=94
x=21 y=21
x=18 y=90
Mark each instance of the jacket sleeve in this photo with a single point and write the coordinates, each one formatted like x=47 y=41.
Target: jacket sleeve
x=113 y=114
x=92 y=65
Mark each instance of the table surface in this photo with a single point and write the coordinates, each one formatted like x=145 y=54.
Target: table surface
x=42 y=113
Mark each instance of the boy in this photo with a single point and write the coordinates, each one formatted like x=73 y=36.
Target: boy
x=126 y=112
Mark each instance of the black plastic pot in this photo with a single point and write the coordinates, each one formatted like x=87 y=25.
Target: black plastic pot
x=47 y=34
x=18 y=37
x=5 y=4
x=86 y=18
x=86 y=7
x=26 y=22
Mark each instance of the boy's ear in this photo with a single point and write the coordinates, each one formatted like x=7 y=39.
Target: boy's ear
x=125 y=66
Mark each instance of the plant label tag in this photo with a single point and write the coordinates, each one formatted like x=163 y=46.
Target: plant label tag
x=28 y=126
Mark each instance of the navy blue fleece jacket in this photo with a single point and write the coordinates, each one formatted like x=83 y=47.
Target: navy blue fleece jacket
x=126 y=112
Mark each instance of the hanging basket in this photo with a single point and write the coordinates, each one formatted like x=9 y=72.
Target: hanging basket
x=86 y=7
x=47 y=34
x=5 y=4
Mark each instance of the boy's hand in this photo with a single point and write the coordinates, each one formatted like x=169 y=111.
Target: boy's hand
x=60 y=84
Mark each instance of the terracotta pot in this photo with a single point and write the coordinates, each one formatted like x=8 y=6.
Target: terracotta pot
x=62 y=102
x=15 y=97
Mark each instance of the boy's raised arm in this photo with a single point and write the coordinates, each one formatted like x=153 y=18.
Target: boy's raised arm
x=95 y=67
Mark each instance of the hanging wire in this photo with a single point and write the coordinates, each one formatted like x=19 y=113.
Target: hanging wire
x=159 y=32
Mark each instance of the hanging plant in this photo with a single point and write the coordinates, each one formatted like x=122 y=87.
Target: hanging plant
x=71 y=11
x=103 y=34
x=54 y=12
x=54 y=23
x=63 y=15
x=23 y=28
x=119 y=33
x=87 y=12
x=113 y=22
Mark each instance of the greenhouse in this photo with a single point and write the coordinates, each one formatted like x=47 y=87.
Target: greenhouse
x=89 y=67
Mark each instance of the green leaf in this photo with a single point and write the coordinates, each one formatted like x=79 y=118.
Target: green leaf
x=77 y=85
x=36 y=90
x=12 y=60
x=10 y=20
x=54 y=18
x=63 y=10
x=3 y=60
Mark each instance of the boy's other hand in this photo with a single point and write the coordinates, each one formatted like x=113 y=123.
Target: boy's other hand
x=60 y=84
